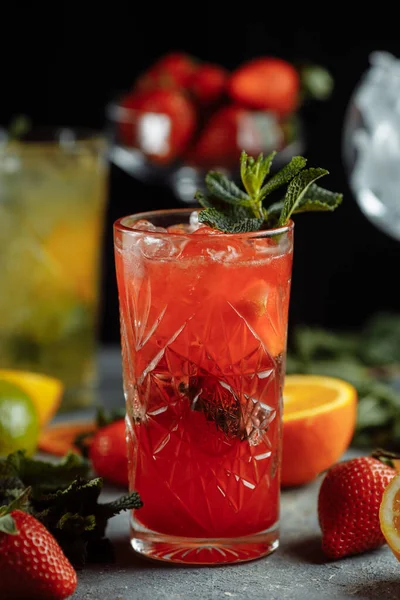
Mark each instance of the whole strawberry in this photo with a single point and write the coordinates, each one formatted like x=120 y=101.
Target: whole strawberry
x=348 y=506
x=32 y=564
x=108 y=453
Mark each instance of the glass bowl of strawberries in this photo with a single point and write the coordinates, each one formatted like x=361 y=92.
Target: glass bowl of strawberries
x=183 y=117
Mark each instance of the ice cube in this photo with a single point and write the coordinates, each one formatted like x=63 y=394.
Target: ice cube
x=161 y=247
x=224 y=253
x=194 y=220
x=144 y=225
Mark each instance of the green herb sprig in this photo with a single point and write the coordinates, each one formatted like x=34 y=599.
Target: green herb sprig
x=369 y=360
x=231 y=209
x=63 y=497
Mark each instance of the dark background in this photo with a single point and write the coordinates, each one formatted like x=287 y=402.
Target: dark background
x=62 y=66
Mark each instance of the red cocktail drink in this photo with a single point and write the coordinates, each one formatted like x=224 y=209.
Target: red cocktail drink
x=203 y=330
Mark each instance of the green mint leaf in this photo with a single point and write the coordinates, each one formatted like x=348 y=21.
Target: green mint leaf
x=126 y=502
x=296 y=191
x=380 y=339
x=314 y=343
x=284 y=175
x=371 y=413
x=318 y=199
x=253 y=172
x=232 y=210
x=205 y=200
x=227 y=223
x=76 y=524
x=76 y=518
x=80 y=493
x=7 y=525
x=44 y=476
x=66 y=505
x=348 y=370
x=221 y=187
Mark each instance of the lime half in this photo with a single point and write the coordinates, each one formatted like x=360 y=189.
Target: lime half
x=19 y=423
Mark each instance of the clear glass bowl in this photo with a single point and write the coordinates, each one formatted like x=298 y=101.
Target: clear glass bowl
x=138 y=141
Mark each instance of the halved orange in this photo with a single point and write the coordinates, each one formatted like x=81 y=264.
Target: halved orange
x=319 y=417
x=389 y=515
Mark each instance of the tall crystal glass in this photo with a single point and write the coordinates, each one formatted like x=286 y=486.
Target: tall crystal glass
x=203 y=330
x=52 y=201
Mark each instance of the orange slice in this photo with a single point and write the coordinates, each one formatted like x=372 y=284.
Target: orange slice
x=45 y=391
x=58 y=439
x=319 y=417
x=389 y=515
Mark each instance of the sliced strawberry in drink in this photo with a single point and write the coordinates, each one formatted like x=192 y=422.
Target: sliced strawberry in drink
x=263 y=304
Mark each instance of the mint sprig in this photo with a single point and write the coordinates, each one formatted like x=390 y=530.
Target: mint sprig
x=65 y=499
x=231 y=209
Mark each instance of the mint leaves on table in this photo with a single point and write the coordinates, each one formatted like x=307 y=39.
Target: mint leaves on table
x=231 y=209
x=369 y=360
x=65 y=499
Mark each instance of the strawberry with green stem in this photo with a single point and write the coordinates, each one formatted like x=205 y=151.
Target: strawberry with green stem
x=348 y=504
x=32 y=563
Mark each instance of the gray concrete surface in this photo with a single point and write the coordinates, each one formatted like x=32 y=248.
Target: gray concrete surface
x=296 y=571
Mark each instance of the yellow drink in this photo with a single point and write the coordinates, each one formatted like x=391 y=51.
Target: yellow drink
x=52 y=201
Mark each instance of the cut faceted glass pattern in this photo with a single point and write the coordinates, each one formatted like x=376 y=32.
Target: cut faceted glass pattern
x=209 y=433
x=203 y=346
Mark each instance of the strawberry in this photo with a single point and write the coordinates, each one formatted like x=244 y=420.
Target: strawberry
x=218 y=142
x=108 y=453
x=208 y=83
x=174 y=69
x=348 y=506
x=159 y=122
x=266 y=83
x=229 y=130
x=32 y=564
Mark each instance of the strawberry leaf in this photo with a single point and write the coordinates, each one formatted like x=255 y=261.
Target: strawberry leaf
x=297 y=190
x=7 y=525
x=20 y=502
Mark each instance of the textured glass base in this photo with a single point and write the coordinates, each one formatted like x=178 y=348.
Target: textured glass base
x=197 y=551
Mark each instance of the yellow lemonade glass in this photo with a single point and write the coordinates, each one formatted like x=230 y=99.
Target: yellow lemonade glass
x=52 y=203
